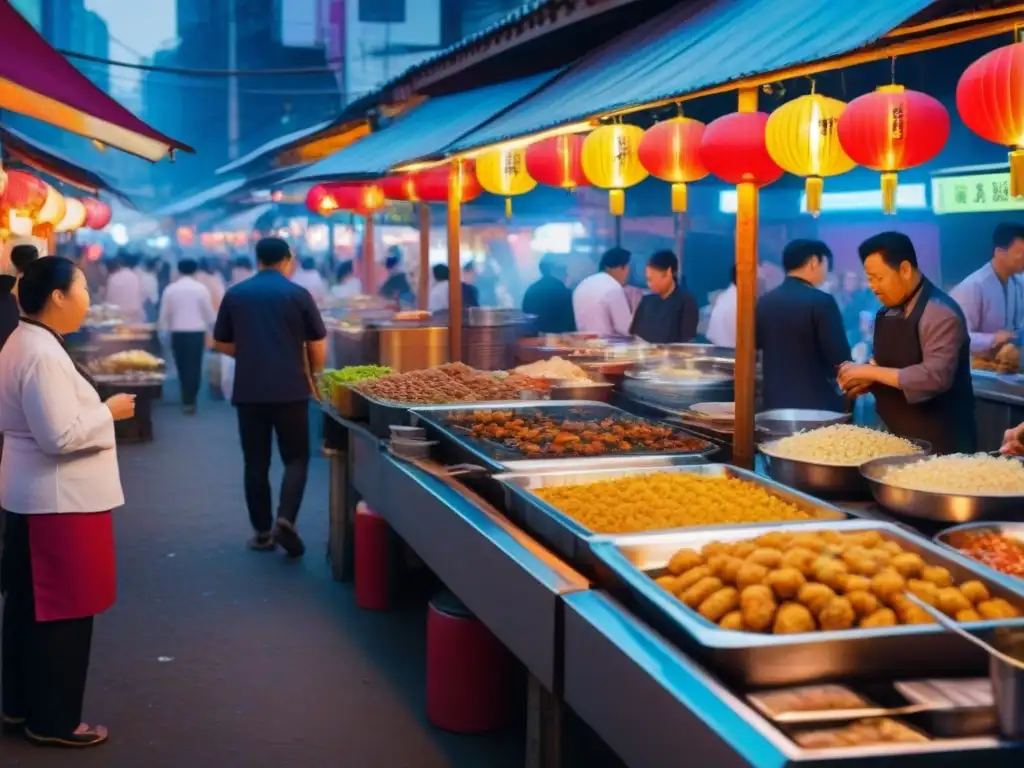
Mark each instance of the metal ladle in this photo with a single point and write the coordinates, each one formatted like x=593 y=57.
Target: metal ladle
x=1005 y=672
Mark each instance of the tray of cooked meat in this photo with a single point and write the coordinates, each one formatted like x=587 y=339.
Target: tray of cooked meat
x=494 y=436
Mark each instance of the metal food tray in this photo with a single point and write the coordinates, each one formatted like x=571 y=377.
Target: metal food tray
x=943 y=507
x=383 y=414
x=570 y=539
x=496 y=458
x=1008 y=529
x=628 y=564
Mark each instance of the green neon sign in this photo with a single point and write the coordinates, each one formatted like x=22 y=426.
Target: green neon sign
x=974 y=193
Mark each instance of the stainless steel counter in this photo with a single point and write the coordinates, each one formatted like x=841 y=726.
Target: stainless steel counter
x=656 y=707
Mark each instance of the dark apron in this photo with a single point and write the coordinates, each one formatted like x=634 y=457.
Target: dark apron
x=947 y=421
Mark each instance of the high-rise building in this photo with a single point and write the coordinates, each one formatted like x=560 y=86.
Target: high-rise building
x=32 y=10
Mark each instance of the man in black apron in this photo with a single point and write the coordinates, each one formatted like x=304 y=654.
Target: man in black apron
x=921 y=372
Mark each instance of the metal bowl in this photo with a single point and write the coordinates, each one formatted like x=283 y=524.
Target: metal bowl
x=947 y=508
x=826 y=479
x=788 y=421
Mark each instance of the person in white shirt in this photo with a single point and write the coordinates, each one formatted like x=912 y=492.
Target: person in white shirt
x=348 y=284
x=124 y=290
x=208 y=275
x=187 y=314
x=309 y=277
x=437 y=299
x=599 y=302
x=150 y=287
x=241 y=270
x=59 y=482
x=722 y=323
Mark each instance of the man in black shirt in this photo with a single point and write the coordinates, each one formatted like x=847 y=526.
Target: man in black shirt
x=273 y=329
x=550 y=298
x=667 y=315
x=800 y=333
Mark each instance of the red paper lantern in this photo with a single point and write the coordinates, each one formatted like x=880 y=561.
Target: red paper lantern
x=401 y=186
x=556 y=161
x=670 y=151
x=320 y=201
x=432 y=184
x=97 y=213
x=25 y=194
x=364 y=199
x=990 y=100
x=893 y=129
x=734 y=150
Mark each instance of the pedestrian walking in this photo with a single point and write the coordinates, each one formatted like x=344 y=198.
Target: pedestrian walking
x=272 y=328
x=59 y=482
x=187 y=315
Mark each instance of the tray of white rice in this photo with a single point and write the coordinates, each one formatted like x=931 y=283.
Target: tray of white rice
x=827 y=460
x=958 y=488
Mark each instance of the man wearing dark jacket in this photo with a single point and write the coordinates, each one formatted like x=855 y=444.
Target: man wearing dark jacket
x=550 y=298
x=800 y=333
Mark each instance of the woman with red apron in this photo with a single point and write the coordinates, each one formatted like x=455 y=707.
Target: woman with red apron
x=59 y=482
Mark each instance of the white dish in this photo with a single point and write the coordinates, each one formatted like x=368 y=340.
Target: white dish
x=715 y=411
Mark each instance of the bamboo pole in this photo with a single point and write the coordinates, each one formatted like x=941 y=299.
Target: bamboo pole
x=423 y=287
x=746 y=299
x=455 y=262
x=369 y=276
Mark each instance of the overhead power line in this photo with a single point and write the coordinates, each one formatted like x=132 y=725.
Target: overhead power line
x=204 y=72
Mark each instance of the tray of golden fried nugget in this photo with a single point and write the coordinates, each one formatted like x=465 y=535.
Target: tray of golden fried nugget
x=791 y=604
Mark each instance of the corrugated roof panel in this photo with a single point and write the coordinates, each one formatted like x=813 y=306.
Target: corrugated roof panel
x=272 y=146
x=698 y=45
x=422 y=132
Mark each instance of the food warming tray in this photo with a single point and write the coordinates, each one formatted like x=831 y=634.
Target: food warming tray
x=947 y=538
x=626 y=564
x=571 y=539
x=943 y=507
x=495 y=457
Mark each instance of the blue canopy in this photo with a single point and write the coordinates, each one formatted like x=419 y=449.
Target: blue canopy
x=697 y=45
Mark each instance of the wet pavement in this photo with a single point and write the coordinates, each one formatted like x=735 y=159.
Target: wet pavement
x=217 y=656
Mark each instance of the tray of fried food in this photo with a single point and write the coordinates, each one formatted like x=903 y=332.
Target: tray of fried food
x=789 y=604
x=873 y=732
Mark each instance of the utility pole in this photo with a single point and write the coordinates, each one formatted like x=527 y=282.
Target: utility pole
x=233 y=128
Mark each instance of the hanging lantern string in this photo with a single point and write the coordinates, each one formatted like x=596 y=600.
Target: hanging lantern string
x=892 y=70
x=679 y=109
x=814 y=84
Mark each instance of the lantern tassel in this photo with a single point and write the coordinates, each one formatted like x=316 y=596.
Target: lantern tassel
x=679 y=198
x=888 y=193
x=1017 y=173
x=813 y=188
x=616 y=202
x=508 y=207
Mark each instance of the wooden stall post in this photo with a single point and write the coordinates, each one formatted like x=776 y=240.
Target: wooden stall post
x=423 y=289
x=369 y=272
x=455 y=261
x=746 y=299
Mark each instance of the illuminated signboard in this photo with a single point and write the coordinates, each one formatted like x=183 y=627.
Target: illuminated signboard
x=974 y=193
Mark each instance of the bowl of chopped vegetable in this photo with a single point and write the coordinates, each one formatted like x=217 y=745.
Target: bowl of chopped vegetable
x=335 y=386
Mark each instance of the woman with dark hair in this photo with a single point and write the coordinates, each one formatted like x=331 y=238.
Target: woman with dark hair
x=348 y=284
x=667 y=315
x=59 y=482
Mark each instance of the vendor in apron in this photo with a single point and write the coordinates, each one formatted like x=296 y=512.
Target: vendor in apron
x=921 y=371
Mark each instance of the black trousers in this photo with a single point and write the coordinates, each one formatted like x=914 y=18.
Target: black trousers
x=188 y=347
x=44 y=663
x=257 y=425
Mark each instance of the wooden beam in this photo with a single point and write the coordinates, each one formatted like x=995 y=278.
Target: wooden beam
x=369 y=277
x=423 y=287
x=455 y=262
x=746 y=302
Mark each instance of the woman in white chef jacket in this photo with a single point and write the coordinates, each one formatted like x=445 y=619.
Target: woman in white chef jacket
x=59 y=482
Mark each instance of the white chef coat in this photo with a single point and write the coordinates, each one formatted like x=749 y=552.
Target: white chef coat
x=437 y=299
x=722 y=323
x=215 y=285
x=187 y=306
x=313 y=282
x=346 y=290
x=59 y=453
x=124 y=291
x=600 y=306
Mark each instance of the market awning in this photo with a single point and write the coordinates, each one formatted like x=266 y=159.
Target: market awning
x=37 y=81
x=199 y=199
x=18 y=147
x=694 y=46
x=241 y=221
x=422 y=132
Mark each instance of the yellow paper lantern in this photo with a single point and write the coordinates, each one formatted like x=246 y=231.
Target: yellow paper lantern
x=53 y=209
x=802 y=137
x=74 y=216
x=503 y=172
x=611 y=161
